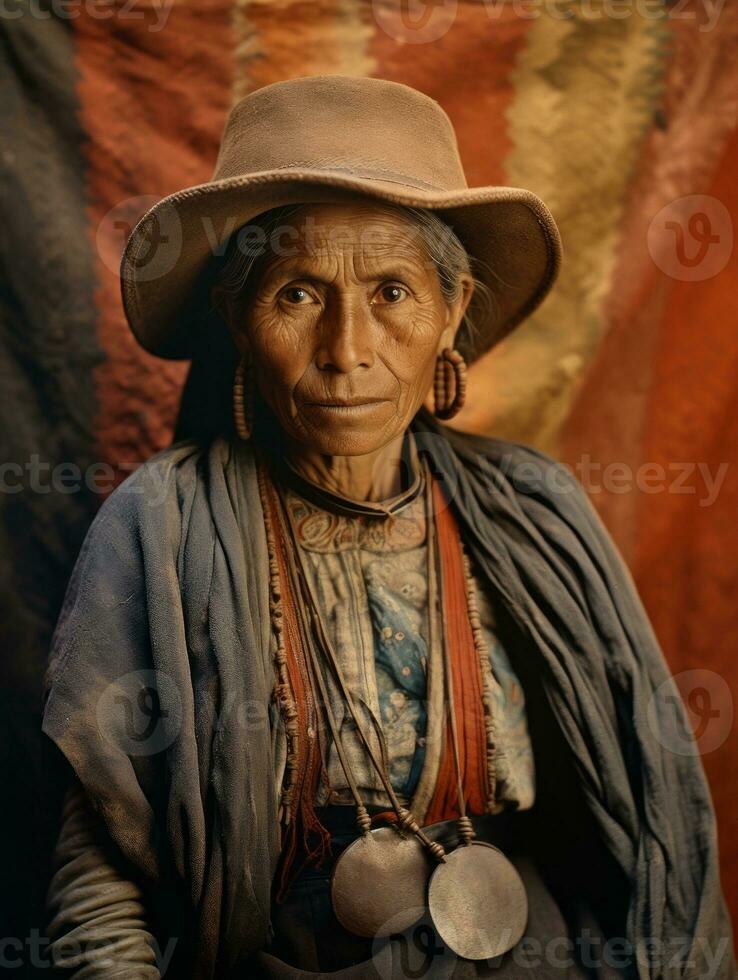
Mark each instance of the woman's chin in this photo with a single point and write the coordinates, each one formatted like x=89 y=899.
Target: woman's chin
x=347 y=442
x=351 y=431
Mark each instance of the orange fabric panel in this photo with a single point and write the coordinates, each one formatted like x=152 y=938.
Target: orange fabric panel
x=467 y=69
x=685 y=541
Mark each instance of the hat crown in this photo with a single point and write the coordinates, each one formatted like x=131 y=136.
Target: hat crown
x=368 y=127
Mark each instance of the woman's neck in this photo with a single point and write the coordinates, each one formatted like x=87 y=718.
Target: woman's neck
x=374 y=477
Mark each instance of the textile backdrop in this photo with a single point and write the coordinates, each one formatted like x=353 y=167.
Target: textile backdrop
x=622 y=116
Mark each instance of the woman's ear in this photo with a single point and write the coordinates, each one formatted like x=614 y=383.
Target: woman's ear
x=455 y=312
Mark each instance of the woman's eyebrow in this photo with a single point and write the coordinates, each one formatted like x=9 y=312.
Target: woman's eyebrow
x=299 y=269
x=399 y=269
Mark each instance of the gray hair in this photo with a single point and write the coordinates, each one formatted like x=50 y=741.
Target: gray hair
x=444 y=249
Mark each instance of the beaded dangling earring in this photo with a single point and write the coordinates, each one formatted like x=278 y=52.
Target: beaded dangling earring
x=243 y=398
x=449 y=384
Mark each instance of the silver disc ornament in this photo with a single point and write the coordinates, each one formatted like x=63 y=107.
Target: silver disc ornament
x=379 y=883
x=477 y=901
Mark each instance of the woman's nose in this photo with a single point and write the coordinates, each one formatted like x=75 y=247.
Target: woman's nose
x=345 y=337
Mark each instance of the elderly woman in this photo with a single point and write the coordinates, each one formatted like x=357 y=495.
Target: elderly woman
x=345 y=691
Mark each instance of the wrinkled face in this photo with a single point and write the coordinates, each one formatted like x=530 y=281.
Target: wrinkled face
x=344 y=327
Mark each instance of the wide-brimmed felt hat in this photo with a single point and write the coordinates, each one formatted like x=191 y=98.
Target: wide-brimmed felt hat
x=325 y=138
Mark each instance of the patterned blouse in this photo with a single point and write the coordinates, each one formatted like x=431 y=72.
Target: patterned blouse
x=368 y=574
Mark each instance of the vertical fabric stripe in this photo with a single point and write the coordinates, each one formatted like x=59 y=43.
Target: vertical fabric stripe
x=286 y=39
x=467 y=68
x=154 y=91
x=586 y=88
x=697 y=113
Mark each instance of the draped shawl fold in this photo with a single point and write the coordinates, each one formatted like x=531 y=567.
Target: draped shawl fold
x=170 y=593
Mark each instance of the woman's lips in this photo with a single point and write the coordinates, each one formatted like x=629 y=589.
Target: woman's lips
x=346 y=408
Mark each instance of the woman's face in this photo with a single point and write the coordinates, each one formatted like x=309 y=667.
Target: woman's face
x=344 y=327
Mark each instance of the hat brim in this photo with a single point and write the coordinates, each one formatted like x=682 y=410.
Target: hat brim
x=164 y=266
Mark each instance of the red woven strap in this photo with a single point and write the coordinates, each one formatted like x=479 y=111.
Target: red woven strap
x=306 y=761
x=467 y=678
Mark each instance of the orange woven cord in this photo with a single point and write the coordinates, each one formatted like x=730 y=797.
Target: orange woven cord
x=297 y=706
x=467 y=679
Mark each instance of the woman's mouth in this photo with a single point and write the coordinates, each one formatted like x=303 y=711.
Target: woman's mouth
x=346 y=407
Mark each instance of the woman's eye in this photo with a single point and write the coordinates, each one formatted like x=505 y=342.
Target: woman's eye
x=297 y=295
x=392 y=293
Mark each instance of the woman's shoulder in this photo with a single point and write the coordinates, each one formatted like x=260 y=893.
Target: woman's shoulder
x=169 y=478
x=133 y=545
x=526 y=468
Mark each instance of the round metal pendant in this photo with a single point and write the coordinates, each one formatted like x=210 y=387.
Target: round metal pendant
x=379 y=883
x=477 y=902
